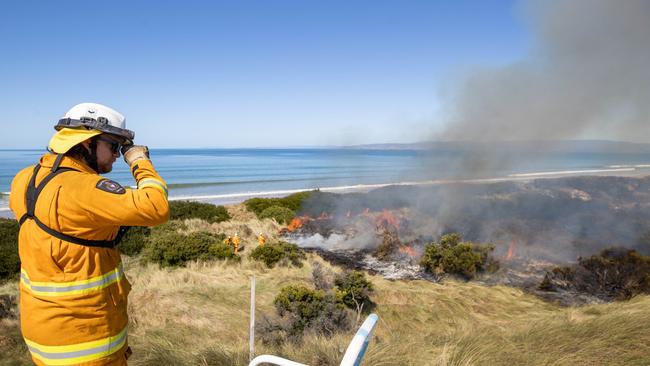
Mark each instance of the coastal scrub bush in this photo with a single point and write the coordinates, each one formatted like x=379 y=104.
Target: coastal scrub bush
x=172 y=248
x=281 y=215
x=181 y=210
x=353 y=290
x=292 y=202
x=300 y=309
x=9 y=260
x=279 y=252
x=613 y=274
x=451 y=255
x=302 y=302
x=134 y=240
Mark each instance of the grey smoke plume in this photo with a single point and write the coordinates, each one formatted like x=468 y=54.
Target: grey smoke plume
x=587 y=76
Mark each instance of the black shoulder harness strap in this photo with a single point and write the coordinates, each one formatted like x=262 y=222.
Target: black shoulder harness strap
x=32 y=195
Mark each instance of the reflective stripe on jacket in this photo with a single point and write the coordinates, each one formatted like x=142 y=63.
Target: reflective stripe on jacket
x=73 y=298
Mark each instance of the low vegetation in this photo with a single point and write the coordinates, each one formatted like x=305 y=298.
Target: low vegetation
x=181 y=210
x=353 y=290
x=9 y=260
x=133 y=242
x=168 y=247
x=452 y=255
x=614 y=274
x=281 y=215
x=282 y=209
x=279 y=252
x=302 y=311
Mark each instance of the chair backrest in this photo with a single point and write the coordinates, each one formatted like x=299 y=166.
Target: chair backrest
x=352 y=357
x=357 y=348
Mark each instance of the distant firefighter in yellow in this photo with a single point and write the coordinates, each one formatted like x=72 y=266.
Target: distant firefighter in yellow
x=228 y=240
x=235 y=243
x=261 y=240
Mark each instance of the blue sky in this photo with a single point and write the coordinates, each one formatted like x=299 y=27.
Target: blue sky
x=247 y=73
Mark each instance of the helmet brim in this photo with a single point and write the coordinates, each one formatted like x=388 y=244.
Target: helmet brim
x=69 y=123
x=64 y=139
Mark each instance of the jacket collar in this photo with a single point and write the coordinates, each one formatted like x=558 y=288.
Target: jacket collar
x=47 y=161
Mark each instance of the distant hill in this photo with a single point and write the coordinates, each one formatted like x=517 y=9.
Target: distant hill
x=557 y=146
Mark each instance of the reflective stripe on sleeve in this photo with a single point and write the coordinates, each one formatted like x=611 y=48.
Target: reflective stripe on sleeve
x=77 y=353
x=155 y=183
x=71 y=288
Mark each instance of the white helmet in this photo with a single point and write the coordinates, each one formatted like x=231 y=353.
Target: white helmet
x=97 y=117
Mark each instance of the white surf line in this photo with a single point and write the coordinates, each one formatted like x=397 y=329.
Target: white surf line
x=358 y=187
x=564 y=172
x=638 y=166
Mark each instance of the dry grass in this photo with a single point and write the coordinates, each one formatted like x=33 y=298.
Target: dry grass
x=203 y=310
x=198 y=315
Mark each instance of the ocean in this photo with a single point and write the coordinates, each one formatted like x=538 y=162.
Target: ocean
x=233 y=175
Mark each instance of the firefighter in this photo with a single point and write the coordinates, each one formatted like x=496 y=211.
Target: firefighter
x=73 y=291
x=235 y=243
x=261 y=240
x=228 y=241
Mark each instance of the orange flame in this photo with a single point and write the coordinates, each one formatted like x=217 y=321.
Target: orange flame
x=511 y=249
x=295 y=224
x=386 y=219
x=408 y=251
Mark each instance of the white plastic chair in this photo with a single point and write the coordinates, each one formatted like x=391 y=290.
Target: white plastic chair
x=352 y=356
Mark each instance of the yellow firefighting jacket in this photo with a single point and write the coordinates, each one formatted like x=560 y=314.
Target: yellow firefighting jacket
x=73 y=297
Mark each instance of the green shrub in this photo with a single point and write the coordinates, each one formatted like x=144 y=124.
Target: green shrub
x=168 y=247
x=353 y=290
x=181 y=210
x=9 y=260
x=222 y=251
x=257 y=205
x=281 y=251
x=450 y=255
x=281 y=215
x=292 y=202
x=300 y=309
x=300 y=302
x=134 y=241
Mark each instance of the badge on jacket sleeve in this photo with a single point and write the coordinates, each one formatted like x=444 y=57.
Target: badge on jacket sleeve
x=110 y=186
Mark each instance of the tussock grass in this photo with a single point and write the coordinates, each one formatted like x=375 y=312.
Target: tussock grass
x=199 y=315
